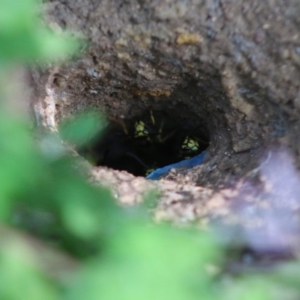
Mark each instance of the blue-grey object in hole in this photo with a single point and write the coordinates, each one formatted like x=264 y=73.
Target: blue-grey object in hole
x=187 y=164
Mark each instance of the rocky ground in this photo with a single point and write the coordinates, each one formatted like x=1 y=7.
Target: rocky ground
x=230 y=68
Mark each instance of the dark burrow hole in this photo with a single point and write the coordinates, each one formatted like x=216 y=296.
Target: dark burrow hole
x=152 y=139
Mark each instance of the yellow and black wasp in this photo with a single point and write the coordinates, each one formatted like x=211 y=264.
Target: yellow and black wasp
x=153 y=140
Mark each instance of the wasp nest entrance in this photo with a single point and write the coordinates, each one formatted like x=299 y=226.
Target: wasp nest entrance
x=154 y=139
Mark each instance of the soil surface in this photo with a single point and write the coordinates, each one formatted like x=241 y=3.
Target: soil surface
x=230 y=68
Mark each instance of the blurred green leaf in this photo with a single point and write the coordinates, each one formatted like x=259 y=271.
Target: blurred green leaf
x=20 y=164
x=149 y=263
x=83 y=128
x=20 y=278
x=84 y=210
x=22 y=38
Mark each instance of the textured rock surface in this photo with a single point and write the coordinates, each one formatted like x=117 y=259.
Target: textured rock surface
x=229 y=66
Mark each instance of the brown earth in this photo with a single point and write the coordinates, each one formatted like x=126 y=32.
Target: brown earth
x=231 y=67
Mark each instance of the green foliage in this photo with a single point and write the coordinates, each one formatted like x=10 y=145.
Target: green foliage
x=20 y=278
x=83 y=128
x=116 y=252
x=149 y=263
x=23 y=38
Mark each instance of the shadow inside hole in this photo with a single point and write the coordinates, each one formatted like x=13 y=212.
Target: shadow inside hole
x=154 y=139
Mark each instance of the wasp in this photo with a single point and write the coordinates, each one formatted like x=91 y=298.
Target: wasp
x=143 y=144
x=189 y=147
